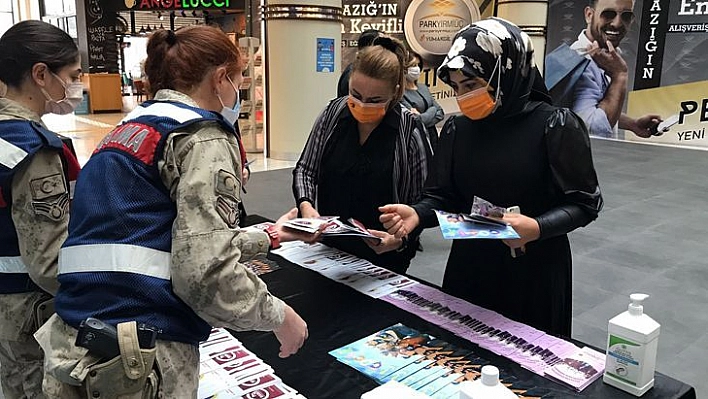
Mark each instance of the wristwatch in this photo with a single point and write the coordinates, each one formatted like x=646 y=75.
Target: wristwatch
x=274 y=237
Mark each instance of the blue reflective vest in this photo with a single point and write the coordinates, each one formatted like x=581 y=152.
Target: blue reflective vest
x=115 y=264
x=20 y=140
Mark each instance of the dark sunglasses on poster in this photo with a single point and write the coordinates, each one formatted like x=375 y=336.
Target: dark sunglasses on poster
x=609 y=15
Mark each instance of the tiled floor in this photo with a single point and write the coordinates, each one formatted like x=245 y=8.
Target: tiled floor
x=86 y=131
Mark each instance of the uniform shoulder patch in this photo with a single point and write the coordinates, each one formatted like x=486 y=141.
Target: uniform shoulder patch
x=226 y=184
x=47 y=186
x=50 y=197
x=228 y=210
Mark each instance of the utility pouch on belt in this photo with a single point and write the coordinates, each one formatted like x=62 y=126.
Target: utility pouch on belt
x=130 y=375
x=43 y=311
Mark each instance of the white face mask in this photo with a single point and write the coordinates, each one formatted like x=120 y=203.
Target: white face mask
x=73 y=94
x=231 y=114
x=413 y=73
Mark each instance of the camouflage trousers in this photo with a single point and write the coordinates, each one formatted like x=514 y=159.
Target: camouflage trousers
x=20 y=355
x=67 y=365
x=21 y=369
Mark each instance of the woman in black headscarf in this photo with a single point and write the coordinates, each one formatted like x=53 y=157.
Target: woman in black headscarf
x=512 y=148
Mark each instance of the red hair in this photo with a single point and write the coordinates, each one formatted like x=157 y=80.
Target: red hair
x=180 y=60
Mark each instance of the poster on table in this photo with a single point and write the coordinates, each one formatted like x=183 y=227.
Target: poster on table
x=666 y=50
x=427 y=26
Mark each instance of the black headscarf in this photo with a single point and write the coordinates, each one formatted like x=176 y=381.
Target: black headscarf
x=476 y=50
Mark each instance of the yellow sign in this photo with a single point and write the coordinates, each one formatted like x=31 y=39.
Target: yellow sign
x=689 y=102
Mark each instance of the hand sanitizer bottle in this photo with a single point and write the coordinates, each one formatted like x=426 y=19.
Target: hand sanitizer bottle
x=486 y=387
x=631 y=349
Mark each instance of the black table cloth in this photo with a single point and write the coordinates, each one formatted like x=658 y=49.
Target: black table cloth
x=337 y=315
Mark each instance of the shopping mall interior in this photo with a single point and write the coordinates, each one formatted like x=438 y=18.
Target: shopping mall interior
x=650 y=237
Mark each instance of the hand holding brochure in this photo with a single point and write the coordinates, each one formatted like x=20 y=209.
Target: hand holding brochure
x=333 y=227
x=460 y=226
x=484 y=221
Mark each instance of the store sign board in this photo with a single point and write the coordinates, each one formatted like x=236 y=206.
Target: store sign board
x=101 y=38
x=155 y=5
x=430 y=25
x=427 y=26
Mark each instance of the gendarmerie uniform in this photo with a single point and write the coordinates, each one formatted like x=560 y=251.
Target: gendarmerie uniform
x=35 y=175
x=155 y=238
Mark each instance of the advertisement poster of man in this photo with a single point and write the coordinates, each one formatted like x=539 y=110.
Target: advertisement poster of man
x=598 y=93
x=664 y=47
x=426 y=26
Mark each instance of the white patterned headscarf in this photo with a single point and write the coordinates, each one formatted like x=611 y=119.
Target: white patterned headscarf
x=489 y=47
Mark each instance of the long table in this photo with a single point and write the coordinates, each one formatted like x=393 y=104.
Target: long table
x=338 y=315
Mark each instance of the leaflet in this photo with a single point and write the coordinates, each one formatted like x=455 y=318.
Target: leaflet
x=579 y=369
x=228 y=370
x=331 y=226
x=456 y=226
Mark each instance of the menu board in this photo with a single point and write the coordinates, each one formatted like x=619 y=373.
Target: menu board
x=101 y=38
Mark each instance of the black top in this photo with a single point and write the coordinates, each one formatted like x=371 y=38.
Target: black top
x=539 y=160
x=355 y=179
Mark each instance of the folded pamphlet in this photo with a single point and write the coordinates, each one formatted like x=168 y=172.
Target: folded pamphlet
x=579 y=369
x=333 y=227
x=227 y=370
x=456 y=226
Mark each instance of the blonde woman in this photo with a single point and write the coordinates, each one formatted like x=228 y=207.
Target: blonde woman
x=365 y=150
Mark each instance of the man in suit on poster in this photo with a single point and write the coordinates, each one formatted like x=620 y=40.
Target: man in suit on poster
x=599 y=93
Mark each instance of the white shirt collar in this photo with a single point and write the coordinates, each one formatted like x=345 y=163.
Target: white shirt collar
x=583 y=42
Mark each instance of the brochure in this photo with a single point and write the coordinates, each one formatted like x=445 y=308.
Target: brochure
x=261 y=265
x=228 y=370
x=383 y=352
x=579 y=369
x=460 y=226
x=423 y=363
x=309 y=225
x=333 y=227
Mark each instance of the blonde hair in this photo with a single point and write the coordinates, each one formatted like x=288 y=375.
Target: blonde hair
x=386 y=59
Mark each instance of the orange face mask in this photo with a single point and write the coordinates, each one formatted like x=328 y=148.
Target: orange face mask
x=477 y=104
x=366 y=112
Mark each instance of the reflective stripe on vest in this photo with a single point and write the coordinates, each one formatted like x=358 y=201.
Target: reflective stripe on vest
x=12 y=264
x=10 y=154
x=115 y=258
x=167 y=110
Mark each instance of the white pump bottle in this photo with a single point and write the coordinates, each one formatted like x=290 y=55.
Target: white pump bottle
x=631 y=349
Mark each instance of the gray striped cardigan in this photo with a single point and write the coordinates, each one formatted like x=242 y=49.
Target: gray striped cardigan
x=411 y=158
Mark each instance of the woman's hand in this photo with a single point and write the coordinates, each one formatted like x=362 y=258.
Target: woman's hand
x=526 y=227
x=308 y=211
x=398 y=219
x=287 y=234
x=245 y=175
x=388 y=242
x=292 y=333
